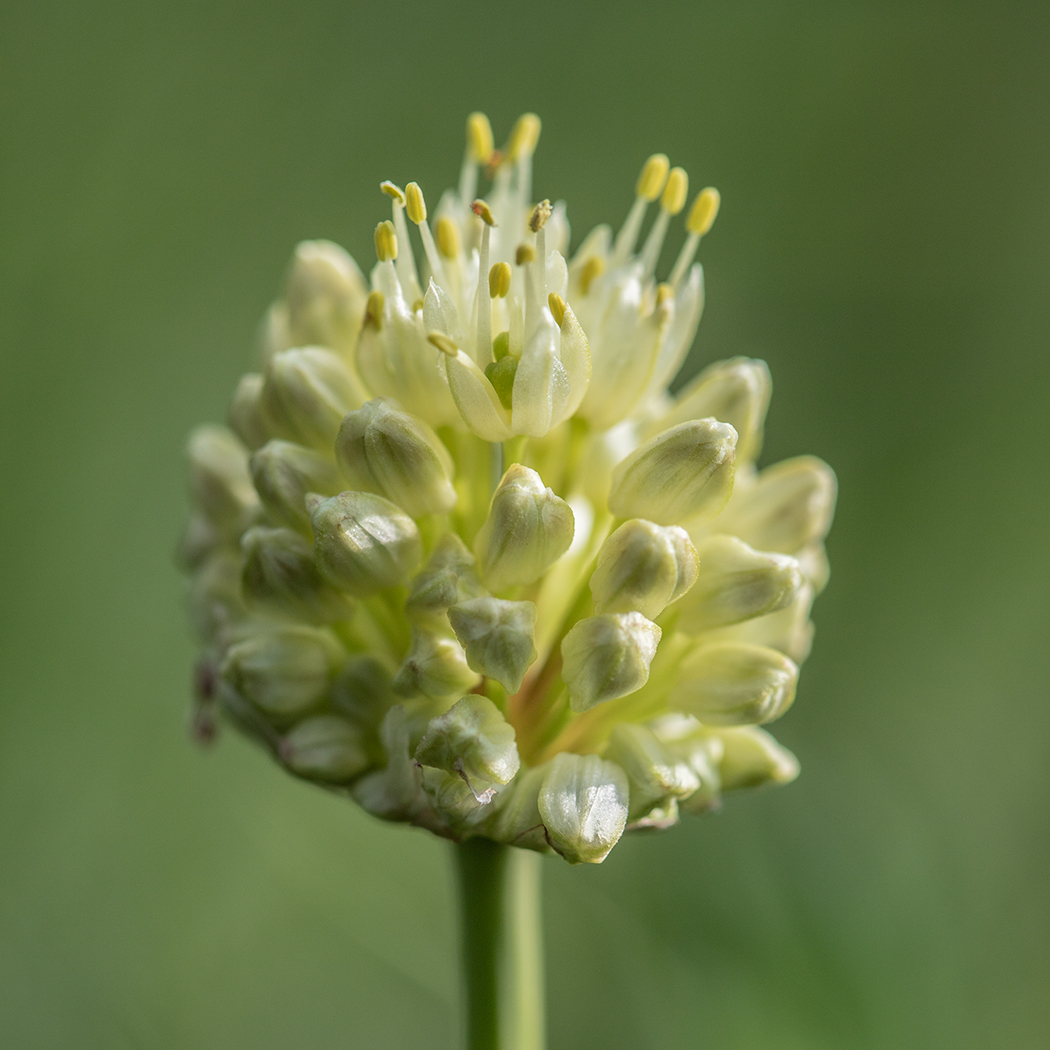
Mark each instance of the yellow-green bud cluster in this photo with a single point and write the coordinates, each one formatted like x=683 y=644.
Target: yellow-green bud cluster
x=462 y=557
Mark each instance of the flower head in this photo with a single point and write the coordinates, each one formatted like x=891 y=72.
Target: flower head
x=463 y=557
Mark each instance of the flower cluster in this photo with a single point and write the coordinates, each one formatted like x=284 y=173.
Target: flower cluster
x=460 y=554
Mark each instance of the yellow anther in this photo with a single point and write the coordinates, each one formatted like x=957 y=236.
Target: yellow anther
x=499 y=280
x=557 y=305
x=479 y=138
x=702 y=213
x=374 y=309
x=417 y=306
x=592 y=268
x=524 y=254
x=654 y=174
x=386 y=241
x=523 y=137
x=443 y=343
x=540 y=214
x=414 y=203
x=448 y=238
x=664 y=293
x=675 y=192
x=393 y=191
x=483 y=212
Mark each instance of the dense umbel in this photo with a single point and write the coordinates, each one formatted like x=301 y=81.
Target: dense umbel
x=462 y=557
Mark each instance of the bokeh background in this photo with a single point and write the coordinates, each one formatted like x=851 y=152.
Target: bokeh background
x=884 y=243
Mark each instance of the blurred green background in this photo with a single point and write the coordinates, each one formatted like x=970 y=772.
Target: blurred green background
x=884 y=243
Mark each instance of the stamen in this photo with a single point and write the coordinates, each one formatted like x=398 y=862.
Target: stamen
x=443 y=343
x=593 y=268
x=479 y=150
x=416 y=207
x=393 y=191
x=524 y=254
x=386 y=241
x=482 y=304
x=540 y=214
x=448 y=240
x=520 y=148
x=647 y=189
x=671 y=203
x=523 y=137
x=374 y=309
x=406 y=264
x=701 y=217
x=537 y=221
x=499 y=280
x=557 y=306
x=483 y=212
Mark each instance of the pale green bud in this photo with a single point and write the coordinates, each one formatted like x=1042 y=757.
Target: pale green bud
x=199 y=540
x=655 y=773
x=220 y=484
x=245 y=414
x=363 y=691
x=643 y=567
x=682 y=474
x=813 y=561
x=325 y=295
x=583 y=802
x=215 y=598
x=364 y=543
x=736 y=392
x=280 y=572
x=384 y=450
x=789 y=506
x=517 y=821
x=606 y=657
x=452 y=798
x=751 y=757
x=498 y=636
x=435 y=666
x=790 y=630
x=729 y=684
x=306 y=393
x=527 y=530
x=474 y=741
x=284 y=473
x=697 y=746
x=736 y=583
x=393 y=791
x=326 y=748
x=448 y=577
x=284 y=671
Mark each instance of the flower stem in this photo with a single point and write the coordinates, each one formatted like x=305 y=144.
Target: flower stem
x=502 y=948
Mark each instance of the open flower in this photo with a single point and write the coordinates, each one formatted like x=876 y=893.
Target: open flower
x=463 y=557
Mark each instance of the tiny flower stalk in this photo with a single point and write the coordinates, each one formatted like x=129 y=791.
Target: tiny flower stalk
x=462 y=557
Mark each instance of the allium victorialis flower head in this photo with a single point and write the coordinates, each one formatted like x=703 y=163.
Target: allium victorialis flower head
x=462 y=556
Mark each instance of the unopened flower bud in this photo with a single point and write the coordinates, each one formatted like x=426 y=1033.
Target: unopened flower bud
x=448 y=577
x=643 y=567
x=527 y=530
x=284 y=671
x=474 y=741
x=393 y=791
x=655 y=773
x=364 y=543
x=684 y=473
x=306 y=393
x=583 y=802
x=731 y=684
x=435 y=666
x=453 y=799
x=384 y=450
x=498 y=637
x=517 y=820
x=363 y=691
x=736 y=583
x=284 y=473
x=325 y=296
x=606 y=657
x=280 y=572
x=736 y=392
x=215 y=599
x=245 y=414
x=751 y=758
x=789 y=506
x=327 y=748
x=220 y=484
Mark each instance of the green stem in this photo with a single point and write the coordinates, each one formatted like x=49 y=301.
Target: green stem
x=502 y=945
